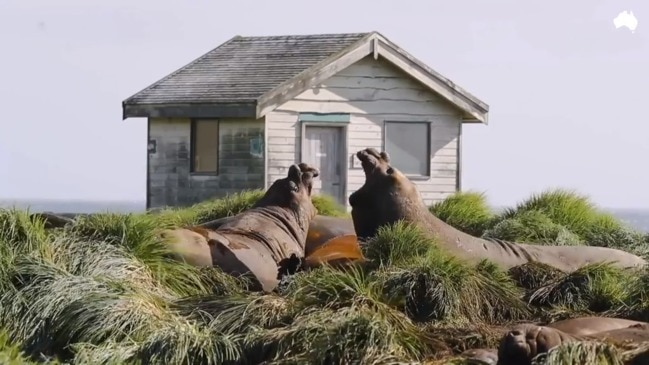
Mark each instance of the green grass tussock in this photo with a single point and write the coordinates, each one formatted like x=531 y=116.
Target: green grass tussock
x=583 y=352
x=107 y=290
x=568 y=208
x=596 y=353
x=397 y=244
x=532 y=227
x=577 y=214
x=428 y=284
x=233 y=204
x=11 y=353
x=597 y=287
x=467 y=211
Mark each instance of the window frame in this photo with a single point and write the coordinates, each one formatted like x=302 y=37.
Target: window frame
x=192 y=147
x=429 y=129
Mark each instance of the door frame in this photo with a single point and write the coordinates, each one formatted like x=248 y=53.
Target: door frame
x=342 y=129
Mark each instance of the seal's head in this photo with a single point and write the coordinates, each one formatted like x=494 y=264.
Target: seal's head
x=523 y=342
x=294 y=191
x=386 y=197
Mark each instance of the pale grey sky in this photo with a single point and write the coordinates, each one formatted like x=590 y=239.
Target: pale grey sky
x=565 y=87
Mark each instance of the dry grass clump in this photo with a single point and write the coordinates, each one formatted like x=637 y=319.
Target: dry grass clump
x=105 y=290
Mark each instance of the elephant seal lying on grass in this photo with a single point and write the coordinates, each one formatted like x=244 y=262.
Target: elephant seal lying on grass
x=388 y=196
x=580 y=328
x=585 y=326
x=525 y=341
x=259 y=240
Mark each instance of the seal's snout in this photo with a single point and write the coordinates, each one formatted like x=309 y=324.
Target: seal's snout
x=302 y=174
x=371 y=158
x=304 y=168
x=294 y=173
x=368 y=161
x=362 y=155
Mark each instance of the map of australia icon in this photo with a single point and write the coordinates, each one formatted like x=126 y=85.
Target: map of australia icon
x=626 y=19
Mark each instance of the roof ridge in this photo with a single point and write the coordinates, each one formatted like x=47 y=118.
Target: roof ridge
x=191 y=63
x=306 y=35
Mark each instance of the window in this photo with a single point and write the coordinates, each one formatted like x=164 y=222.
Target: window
x=233 y=147
x=408 y=144
x=204 y=146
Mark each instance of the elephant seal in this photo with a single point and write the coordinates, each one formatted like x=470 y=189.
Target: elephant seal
x=330 y=240
x=584 y=326
x=636 y=333
x=480 y=356
x=322 y=229
x=388 y=196
x=524 y=341
x=260 y=240
x=338 y=251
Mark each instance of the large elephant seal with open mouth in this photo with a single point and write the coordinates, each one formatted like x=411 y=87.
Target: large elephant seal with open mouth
x=388 y=196
x=260 y=240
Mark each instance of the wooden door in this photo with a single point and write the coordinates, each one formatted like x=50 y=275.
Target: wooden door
x=323 y=148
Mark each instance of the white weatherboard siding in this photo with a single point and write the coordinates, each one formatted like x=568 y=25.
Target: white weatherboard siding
x=372 y=91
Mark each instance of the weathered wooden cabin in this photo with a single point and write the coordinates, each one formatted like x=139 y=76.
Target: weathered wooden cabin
x=236 y=117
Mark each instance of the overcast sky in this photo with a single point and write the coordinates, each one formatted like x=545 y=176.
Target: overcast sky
x=564 y=86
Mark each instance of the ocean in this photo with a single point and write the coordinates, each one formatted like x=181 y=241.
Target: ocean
x=636 y=218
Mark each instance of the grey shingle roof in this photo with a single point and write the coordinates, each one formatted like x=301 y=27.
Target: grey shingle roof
x=243 y=68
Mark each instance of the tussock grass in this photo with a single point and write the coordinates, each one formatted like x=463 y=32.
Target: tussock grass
x=580 y=216
x=428 y=284
x=565 y=207
x=106 y=290
x=229 y=205
x=233 y=204
x=397 y=244
x=532 y=227
x=596 y=287
x=235 y=314
x=582 y=352
x=467 y=211
x=533 y=275
x=11 y=353
x=140 y=236
x=327 y=205
x=353 y=334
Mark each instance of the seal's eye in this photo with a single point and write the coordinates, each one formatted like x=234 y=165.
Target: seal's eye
x=389 y=171
x=293 y=186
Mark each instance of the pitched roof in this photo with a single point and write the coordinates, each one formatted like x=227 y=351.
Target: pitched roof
x=249 y=76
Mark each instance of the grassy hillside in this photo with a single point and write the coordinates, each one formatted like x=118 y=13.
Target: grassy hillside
x=104 y=291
